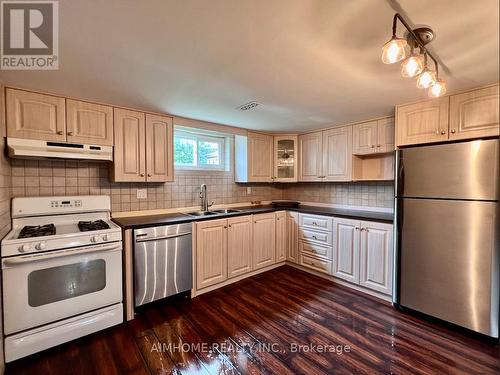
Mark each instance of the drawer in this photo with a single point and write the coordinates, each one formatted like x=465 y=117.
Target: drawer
x=323 y=252
x=324 y=266
x=315 y=222
x=314 y=236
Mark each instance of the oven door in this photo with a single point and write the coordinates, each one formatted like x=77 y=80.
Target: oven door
x=43 y=288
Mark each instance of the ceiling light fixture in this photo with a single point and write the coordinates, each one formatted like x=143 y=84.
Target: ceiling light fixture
x=247 y=106
x=415 y=65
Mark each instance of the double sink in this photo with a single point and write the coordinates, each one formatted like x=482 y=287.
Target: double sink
x=211 y=213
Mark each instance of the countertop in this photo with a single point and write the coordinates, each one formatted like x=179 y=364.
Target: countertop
x=133 y=222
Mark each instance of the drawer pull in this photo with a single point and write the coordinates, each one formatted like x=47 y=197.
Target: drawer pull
x=314 y=223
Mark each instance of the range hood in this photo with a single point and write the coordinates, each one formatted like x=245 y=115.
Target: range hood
x=32 y=148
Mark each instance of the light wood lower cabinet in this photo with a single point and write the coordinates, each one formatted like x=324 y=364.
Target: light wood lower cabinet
x=35 y=116
x=292 y=238
x=89 y=123
x=364 y=253
x=211 y=252
x=281 y=236
x=264 y=240
x=346 y=248
x=239 y=246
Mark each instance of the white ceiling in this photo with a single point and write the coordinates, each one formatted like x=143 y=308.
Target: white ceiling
x=310 y=63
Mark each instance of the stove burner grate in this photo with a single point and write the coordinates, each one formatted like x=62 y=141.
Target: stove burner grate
x=37 y=231
x=86 y=226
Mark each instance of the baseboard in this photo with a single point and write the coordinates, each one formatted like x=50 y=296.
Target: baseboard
x=195 y=293
x=336 y=280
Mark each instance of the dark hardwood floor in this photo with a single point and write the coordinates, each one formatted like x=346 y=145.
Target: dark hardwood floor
x=248 y=327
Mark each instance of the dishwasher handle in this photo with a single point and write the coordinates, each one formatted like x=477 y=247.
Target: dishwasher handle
x=143 y=237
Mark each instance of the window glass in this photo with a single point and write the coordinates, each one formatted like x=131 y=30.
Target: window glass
x=196 y=150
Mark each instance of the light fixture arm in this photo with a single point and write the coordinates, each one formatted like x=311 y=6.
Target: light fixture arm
x=415 y=37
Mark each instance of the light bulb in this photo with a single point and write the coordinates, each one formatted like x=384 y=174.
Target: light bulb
x=437 y=89
x=426 y=79
x=412 y=66
x=394 y=50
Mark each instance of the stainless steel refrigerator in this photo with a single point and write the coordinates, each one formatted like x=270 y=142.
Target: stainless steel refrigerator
x=447 y=233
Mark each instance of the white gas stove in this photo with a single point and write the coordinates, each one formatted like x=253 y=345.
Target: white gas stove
x=62 y=275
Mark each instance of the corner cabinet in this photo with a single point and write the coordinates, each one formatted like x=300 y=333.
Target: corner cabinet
x=281 y=236
x=292 y=237
x=469 y=115
x=143 y=147
x=31 y=115
x=285 y=158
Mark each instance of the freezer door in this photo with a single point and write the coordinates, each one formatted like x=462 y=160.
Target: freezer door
x=448 y=261
x=467 y=170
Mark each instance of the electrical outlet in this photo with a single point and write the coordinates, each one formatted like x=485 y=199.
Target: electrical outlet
x=142 y=194
x=249 y=190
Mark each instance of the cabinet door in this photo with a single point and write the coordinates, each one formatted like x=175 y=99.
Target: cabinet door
x=89 y=123
x=130 y=154
x=211 y=252
x=337 y=154
x=422 y=122
x=285 y=158
x=385 y=135
x=376 y=256
x=260 y=157
x=474 y=114
x=35 y=116
x=292 y=236
x=264 y=240
x=159 y=148
x=311 y=157
x=365 y=138
x=281 y=236
x=346 y=249
x=239 y=246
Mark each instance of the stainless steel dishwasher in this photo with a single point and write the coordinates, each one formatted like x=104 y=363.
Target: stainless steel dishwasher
x=162 y=262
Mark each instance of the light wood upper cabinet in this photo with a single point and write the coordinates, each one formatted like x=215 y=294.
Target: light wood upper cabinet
x=385 y=134
x=292 y=238
x=239 y=246
x=422 y=122
x=211 y=252
x=159 y=148
x=346 y=249
x=474 y=114
x=376 y=256
x=35 y=116
x=89 y=123
x=337 y=154
x=285 y=158
x=264 y=240
x=311 y=156
x=130 y=146
x=260 y=157
x=365 y=138
x=281 y=236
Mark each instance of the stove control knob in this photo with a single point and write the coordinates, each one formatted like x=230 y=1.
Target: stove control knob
x=24 y=248
x=105 y=237
x=94 y=239
x=40 y=246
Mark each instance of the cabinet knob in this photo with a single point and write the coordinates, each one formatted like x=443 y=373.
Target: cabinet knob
x=229 y=225
x=70 y=133
x=149 y=175
x=372 y=146
x=225 y=227
x=60 y=132
x=142 y=175
x=453 y=131
x=443 y=132
x=379 y=145
x=357 y=228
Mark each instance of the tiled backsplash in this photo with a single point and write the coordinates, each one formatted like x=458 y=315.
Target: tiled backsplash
x=367 y=194
x=41 y=178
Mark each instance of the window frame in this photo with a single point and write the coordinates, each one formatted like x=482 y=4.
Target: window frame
x=198 y=135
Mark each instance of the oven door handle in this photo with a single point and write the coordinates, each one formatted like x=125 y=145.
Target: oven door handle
x=58 y=254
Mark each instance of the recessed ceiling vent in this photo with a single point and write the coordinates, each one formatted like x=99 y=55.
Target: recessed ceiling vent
x=247 y=106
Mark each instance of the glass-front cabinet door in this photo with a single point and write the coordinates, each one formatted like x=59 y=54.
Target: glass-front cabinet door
x=285 y=158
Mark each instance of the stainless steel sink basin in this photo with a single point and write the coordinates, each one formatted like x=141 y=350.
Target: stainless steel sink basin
x=201 y=213
x=226 y=211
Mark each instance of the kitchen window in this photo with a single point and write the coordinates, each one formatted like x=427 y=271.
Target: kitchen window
x=196 y=149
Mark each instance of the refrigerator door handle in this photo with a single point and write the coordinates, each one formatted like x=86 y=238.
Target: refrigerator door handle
x=399 y=173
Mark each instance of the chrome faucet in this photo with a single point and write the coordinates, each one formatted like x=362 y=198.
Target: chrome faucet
x=204 y=199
